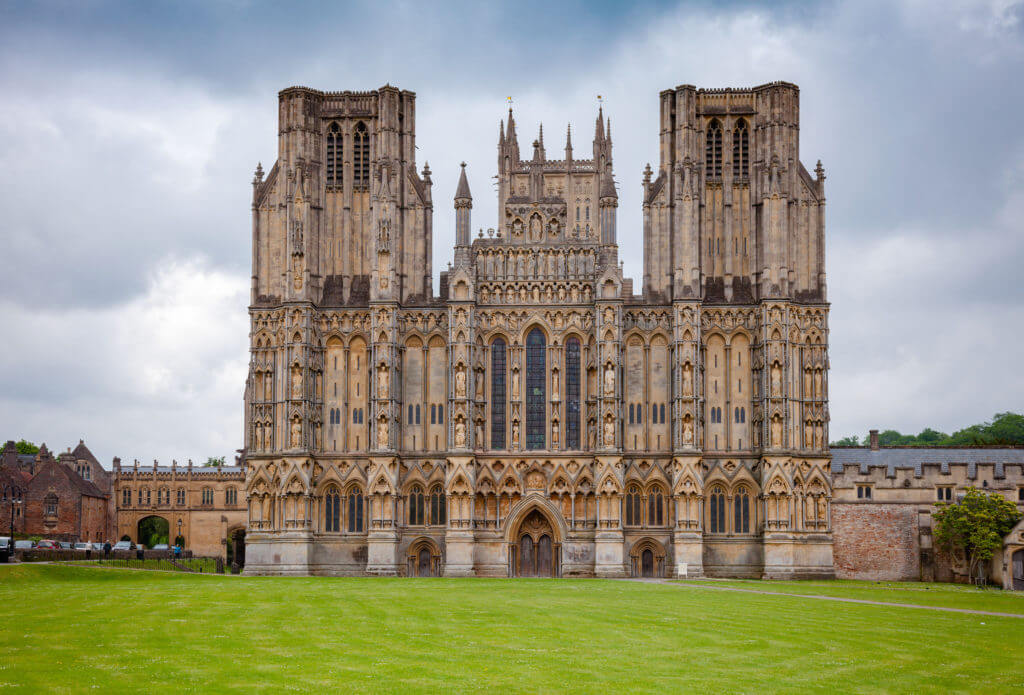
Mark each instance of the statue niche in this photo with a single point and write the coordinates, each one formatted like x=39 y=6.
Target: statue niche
x=536 y=228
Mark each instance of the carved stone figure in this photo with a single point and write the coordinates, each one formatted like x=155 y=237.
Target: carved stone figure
x=818 y=392
x=479 y=385
x=515 y=434
x=687 y=432
x=296 y=382
x=609 y=380
x=515 y=384
x=296 y=433
x=687 y=379
x=382 y=434
x=297 y=272
x=383 y=382
x=776 y=432
x=808 y=435
x=554 y=434
x=776 y=378
x=554 y=384
x=460 y=381
x=591 y=434
x=609 y=432
x=479 y=433
x=460 y=433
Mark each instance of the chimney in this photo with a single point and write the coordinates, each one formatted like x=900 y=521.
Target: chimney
x=873 y=434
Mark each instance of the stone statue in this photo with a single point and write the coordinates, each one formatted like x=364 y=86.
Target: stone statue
x=807 y=383
x=383 y=382
x=818 y=392
x=687 y=432
x=297 y=272
x=776 y=372
x=609 y=380
x=591 y=434
x=554 y=433
x=776 y=432
x=382 y=434
x=554 y=383
x=460 y=381
x=687 y=379
x=808 y=435
x=515 y=384
x=296 y=381
x=479 y=433
x=515 y=434
x=258 y=438
x=296 y=433
x=460 y=433
x=609 y=432
x=821 y=508
x=479 y=385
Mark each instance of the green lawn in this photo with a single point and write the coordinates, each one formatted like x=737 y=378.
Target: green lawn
x=917 y=593
x=72 y=629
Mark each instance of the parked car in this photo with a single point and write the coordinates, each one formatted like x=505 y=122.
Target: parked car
x=47 y=545
x=65 y=545
x=161 y=546
x=5 y=541
x=83 y=546
x=123 y=545
x=23 y=545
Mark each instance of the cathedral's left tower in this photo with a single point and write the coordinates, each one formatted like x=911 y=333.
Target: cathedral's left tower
x=341 y=224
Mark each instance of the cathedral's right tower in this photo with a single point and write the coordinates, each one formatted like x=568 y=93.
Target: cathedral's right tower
x=734 y=236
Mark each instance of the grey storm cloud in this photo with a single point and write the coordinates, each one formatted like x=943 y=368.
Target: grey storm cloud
x=129 y=134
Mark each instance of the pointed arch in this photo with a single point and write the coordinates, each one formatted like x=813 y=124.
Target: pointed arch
x=334 y=156
x=741 y=150
x=360 y=157
x=713 y=150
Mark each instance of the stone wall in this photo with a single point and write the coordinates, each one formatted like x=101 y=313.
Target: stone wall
x=875 y=541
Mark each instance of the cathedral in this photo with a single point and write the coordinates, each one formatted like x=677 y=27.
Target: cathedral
x=537 y=416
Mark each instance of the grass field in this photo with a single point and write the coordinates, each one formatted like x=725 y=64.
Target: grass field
x=76 y=629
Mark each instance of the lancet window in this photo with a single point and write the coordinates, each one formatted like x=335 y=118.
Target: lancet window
x=634 y=506
x=498 y=394
x=332 y=511
x=437 y=506
x=333 y=160
x=572 y=393
x=416 y=506
x=361 y=157
x=716 y=510
x=713 y=150
x=741 y=150
x=536 y=390
x=355 y=510
x=741 y=505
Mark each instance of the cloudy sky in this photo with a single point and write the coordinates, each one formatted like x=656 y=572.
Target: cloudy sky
x=129 y=134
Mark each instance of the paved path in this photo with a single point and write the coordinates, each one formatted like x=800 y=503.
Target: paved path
x=709 y=585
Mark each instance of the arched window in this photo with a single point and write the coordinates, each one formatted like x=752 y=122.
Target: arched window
x=536 y=390
x=632 y=417
x=50 y=505
x=498 y=394
x=355 y=510
x=332 y=510
x=634 y=506
x=662 y=414
x=716 y=510
x=333 y=161
x=639 y=413
x=437 y=506
x=361 y=157
x=231 y=497
x=741 y=150
x=713 y=151
x=655 y=507
x=181 y=497
x=572 y=393
x=741 y=504
x=208 y=496
x=416 y=506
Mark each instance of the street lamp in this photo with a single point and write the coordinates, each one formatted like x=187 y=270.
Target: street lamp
x=15 y=494
x=179 y=534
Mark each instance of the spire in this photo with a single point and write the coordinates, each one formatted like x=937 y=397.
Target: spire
x=501 y=132
x=510 y=134
x=541 y=136
x=568 y=141
x=462 y=191
x=599 y=126
x=609 y=129
x=608 y=185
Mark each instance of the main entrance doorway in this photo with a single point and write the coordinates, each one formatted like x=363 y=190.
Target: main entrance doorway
x=534 y=551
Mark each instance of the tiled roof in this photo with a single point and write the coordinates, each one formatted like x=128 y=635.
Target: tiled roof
x=915 y=457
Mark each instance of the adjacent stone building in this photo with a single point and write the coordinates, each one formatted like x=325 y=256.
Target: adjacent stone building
x=204 y=505
x=883 y=499
x=537 y=417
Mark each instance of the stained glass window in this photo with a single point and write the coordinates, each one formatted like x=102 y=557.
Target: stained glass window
x=717 y=510
x=355 y=511
x=742 y=503
x=536 y=387
x=572 y=393
x=332 y=511
x=334 y=156
x=416 y=506
x=498 y=394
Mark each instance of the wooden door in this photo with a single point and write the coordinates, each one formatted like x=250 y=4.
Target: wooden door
x=423 y=563
x=1018 y=570
x=545 y=566
x=527 y=560
x=647 y=563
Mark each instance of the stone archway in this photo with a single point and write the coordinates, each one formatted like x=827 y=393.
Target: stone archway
x=534 y=550
x=647 y=559
x=423 y=559
x=152 y=530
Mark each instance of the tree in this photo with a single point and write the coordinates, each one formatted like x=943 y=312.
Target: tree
x=974 y=526
x=25 y=447
x=847 y=441
x=214 y=461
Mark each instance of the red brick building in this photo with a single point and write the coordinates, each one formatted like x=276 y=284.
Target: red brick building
x=58 y=502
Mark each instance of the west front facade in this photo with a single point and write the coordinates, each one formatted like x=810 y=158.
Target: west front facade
x=537 y=417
